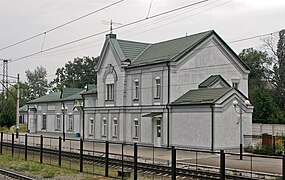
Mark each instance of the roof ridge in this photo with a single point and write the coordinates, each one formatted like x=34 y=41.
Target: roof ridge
x=184 y=37
x=133 y=41
x=142 y=52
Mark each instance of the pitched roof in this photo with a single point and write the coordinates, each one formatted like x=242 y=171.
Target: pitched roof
x=76 y=96
x=167 y=50
x=91 y=89
x=213 y=79
x=69 y=91
x=131 y=49
x=52 y=97
x=145 y=53
x=23 y=108
x=202 y=96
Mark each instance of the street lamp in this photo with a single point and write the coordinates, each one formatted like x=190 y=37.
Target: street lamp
x=63 y=110
x=242 y=109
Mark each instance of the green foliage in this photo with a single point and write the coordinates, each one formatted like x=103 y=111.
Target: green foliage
x=76 y=74
x=37 y=83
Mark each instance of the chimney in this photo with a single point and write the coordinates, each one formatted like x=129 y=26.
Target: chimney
x=111 y=36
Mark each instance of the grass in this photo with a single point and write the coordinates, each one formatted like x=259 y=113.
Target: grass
x=12 y=129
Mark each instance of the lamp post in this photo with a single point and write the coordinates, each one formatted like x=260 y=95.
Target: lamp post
x=63 y=110
x=242 y=109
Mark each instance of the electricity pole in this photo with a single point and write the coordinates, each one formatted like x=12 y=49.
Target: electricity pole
x=17 y=106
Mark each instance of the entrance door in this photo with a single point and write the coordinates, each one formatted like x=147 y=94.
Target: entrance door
x=157 y=131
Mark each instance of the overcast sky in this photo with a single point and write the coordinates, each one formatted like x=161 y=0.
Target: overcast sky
x=231 y=19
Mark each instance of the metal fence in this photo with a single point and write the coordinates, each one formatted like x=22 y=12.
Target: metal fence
x=111 y=159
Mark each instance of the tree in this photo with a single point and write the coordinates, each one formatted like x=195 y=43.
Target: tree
x=279 y=70
x=259 y=63
x=76 y=74
x=37 y=82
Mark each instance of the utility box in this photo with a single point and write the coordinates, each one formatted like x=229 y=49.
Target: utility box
x=267 y=140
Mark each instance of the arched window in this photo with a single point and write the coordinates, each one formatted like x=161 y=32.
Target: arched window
x=157 y=87
x=136 y=128
x=136 y=89
x=91 y=130
x=110 y=81
x=115 y=127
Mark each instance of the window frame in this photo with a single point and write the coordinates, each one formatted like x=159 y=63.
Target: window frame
x=44 y=122
x=110 y=92
x=136 y=89
x=91 y=126
x=115 y=127
x=70 y=122
x=135 y=128
x=58 y=121
x=104 y=127
x=157 y=87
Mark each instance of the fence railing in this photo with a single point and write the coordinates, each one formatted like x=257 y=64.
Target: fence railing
x=113 y=159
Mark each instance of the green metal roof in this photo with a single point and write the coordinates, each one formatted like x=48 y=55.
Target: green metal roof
x=76 y=96
x=52 y=97
x=91 y=89
x=201 y=96
x=23 y=108
x=131 y=49
x=172 y=50
x=210 y=81
x=168 y=50
x=69 y=91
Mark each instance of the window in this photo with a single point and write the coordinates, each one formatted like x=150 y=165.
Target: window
x=158 y=127
x=110 y=92
x=136 y=128
x=110 y=87
x=104 y=127
x=44 y=122
x=157 y=87
x=91 y=126
x=70 y=122
x=57 y=123
x=137 y=84
x=115 y=127
x=235 y=85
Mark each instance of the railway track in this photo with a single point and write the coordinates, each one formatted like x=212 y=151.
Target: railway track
x=115 y=161
x=6 y=174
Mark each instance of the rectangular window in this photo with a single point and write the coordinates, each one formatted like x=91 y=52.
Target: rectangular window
x=136 y=128
x=70 y=122
x=115 y=127
x=91 y=126
x=137 y=89
x=110 y=92
x=58 y=122
x=158 y=127
x=104 y=127
x=158 y=88
x=44 y=122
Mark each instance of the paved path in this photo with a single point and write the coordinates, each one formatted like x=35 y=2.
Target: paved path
x=161 y=156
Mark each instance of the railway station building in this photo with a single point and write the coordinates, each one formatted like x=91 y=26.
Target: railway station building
x=178 y=92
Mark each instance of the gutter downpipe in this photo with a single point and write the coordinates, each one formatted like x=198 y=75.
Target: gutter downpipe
x=212 y=127
x=167 y=105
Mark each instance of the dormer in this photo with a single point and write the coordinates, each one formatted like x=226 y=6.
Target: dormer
x=214 y=81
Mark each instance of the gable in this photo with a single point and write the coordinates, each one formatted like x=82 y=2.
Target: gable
x=214 y=81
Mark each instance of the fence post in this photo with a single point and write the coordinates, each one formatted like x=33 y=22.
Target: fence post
x=1 y=145
x=173 y=163
x=13 y=144
x=81 y=155
x=283 y=167
x=222 y=165
x=107 y=159
x=59 y=151
x=135 y=161
x=41 y=150
x=26 y=147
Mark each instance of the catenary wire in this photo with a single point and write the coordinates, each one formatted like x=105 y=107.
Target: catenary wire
x=103 y=32
x=62 y=25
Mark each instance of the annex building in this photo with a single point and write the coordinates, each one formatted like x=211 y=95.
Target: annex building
x=178 y=92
